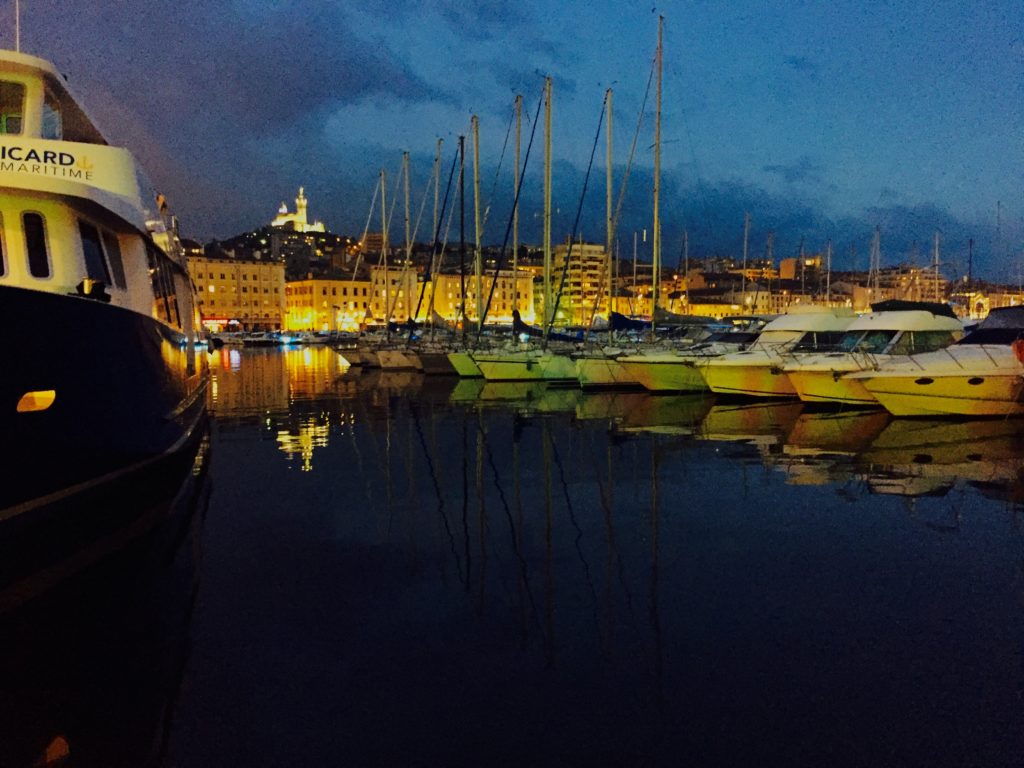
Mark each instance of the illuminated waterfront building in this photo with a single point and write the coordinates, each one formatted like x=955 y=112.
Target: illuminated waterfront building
x=325 y=304
x=239 y=294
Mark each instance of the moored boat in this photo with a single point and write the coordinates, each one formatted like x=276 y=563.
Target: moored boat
x=89 y=256
x=980 y=375
x=757 y=371
x=871 y=341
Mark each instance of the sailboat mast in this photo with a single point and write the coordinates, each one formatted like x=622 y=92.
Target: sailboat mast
x=384 y=241
x=462 y=233
x=686 y=265
x=515 y=209
x=656 y=259
x=547 y=206
x=609 y=223
x=746 y=241
x=935 y=262
x=478 y=285
x=828 y=274
x=437 y=183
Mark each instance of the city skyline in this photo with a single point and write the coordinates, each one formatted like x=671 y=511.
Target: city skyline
x=820 y=122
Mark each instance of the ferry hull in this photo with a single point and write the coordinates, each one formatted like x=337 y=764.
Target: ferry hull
x=125 y=389
x=961 y=395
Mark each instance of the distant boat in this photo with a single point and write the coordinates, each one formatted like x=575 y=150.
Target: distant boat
x=111 y=377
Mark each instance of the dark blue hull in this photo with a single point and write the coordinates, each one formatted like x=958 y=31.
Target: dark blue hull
x=128 y=391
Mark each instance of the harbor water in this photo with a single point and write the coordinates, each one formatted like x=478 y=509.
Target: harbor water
x=371 y=569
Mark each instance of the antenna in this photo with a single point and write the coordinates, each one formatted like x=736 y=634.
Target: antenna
x=17 y=25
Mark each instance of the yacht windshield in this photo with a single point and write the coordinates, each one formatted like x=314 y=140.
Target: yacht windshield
x=873 y=342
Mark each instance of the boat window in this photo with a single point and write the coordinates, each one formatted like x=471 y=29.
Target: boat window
x=12 y=107
x=113 y=249
x=53 y=121
x=95 y=265
x=165 y=302
x=35 y=243
x=816 y=341
x=915 y=342
x=875 y=342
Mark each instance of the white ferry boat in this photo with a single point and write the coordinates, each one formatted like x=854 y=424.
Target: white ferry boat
x=104 y=374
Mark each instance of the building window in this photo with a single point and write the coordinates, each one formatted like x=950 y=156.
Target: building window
x=221 y=275
x=35 y=242
x=12 y=107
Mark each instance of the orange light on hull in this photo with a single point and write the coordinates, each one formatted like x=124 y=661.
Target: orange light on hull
x=36 y=401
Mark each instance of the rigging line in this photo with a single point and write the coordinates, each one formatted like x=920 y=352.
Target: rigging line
x=387 y=226
x=632 y=150
x=576 y=224
x=497 y=172
x=437 y=488
x=408 y=253
x=440 y=255
x=575 y=524
x=516 y=546
x=508 y=229
x=366 y=229
x=437 y=234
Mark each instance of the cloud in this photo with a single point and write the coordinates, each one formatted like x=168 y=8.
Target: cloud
x=803 y=171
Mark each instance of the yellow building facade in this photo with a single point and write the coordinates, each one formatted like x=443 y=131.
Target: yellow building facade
x=239 y=293
x=321 y=304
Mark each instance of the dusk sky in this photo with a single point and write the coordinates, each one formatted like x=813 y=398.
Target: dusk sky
x=822 y=120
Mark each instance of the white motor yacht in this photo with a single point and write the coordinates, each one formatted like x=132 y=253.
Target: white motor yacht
x=871 y=341
x=757 y=371
x=980 y=375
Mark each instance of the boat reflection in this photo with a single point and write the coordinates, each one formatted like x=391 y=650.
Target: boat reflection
x=932 y=457
x=93 y=666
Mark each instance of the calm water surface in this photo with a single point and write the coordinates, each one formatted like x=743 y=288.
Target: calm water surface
x=392 y=570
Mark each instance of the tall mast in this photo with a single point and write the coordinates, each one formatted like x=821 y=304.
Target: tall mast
x=656 y=258
x=547 y=206
x=478 y=260
x=935 y=262
x=408 y=231
x=828 y=274
x=17 y=25
x=384 y=239
x=686 y=265
x=515 y=209
x=437 y=184
x=462 y=233
x=746 y=239
x=609 y=224
x=876 y=263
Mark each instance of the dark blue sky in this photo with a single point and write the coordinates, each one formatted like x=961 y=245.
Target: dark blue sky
x=820 y=119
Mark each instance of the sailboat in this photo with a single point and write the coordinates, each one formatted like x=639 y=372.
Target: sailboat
x=521 y=361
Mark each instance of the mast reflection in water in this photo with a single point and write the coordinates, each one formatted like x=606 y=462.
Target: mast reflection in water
x=406 y=570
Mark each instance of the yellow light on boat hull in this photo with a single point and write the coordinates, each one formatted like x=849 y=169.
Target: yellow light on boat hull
x=36 y=401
